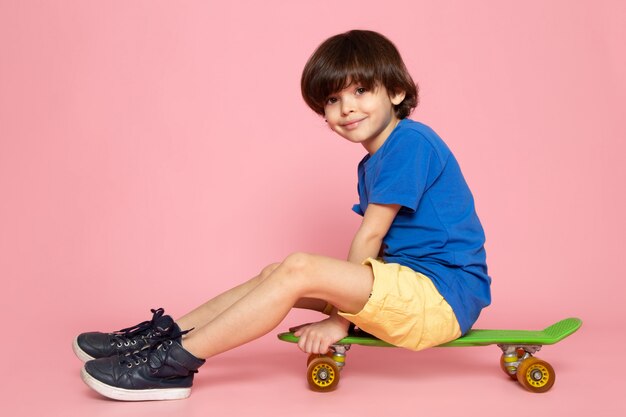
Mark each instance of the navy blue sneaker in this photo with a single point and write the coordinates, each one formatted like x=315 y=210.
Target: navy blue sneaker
x=95 y=345
x=162 y=371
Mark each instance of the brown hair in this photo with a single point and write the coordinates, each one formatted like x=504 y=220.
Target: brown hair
x=358 y=56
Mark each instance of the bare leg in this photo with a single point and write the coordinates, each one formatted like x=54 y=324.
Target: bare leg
x=343 y=284
x=214 y=307
x=208 y=311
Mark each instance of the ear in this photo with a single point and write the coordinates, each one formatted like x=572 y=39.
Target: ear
x=397 y=97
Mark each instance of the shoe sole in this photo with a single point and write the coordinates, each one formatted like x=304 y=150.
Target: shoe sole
x=122 y=394
x=82 y=355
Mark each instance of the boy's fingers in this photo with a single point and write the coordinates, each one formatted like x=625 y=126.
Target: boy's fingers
x=302 y=344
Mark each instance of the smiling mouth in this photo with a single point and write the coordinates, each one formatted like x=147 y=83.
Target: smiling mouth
x=352 y=123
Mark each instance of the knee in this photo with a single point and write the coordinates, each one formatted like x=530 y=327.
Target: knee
x=297 y=264
x=294 y=273
x=289 y=267
x=268 y=270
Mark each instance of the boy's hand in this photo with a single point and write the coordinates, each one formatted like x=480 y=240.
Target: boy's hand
x=317 y=337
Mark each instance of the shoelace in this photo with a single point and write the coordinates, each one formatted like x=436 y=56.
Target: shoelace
x=125 y=337
x=137 y=357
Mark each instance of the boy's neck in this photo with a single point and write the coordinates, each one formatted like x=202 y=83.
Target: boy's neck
x=373 y=145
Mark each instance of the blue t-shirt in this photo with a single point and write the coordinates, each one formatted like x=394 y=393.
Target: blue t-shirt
x=436 y=232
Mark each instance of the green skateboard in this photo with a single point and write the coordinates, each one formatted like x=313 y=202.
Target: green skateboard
x=517 y=360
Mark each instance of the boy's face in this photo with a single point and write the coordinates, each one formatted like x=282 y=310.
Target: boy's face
x=362 y=116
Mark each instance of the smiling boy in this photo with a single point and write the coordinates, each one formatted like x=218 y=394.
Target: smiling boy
x=416 y=273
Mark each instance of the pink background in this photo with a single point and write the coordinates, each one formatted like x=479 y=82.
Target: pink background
x=154 y=153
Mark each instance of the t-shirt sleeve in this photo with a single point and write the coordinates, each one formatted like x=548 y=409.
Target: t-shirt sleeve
x=357 y=209
x=408 y=167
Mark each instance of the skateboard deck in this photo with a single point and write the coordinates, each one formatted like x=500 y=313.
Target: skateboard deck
x=517 y=360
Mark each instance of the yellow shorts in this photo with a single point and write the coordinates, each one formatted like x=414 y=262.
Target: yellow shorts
x=405 y=309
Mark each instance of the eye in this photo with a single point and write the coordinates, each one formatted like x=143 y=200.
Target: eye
x=360 y=90
x=331 y=100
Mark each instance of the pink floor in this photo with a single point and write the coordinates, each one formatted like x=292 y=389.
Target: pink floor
x=267 y=378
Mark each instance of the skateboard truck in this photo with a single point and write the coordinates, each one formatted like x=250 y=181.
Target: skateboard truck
x=533 y=374
x=338 y=353
x=513 y=355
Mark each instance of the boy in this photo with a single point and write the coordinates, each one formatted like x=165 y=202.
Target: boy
x=416 y=273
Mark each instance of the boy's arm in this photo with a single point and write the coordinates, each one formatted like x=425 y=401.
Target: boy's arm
x=368 y=239
x=367 y=243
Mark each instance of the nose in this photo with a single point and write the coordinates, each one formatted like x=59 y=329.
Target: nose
x=347 y=105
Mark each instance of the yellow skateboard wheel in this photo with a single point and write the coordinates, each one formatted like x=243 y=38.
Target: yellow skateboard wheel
x=536 y=375
x=323 y=374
